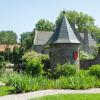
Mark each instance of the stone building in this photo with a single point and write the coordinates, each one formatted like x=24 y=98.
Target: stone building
x=64 y=45
x=87 y=42
x=40 y=40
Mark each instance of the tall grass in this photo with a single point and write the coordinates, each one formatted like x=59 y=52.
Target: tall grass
x=26 y=83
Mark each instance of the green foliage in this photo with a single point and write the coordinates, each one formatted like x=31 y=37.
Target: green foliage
x=64 y=70
x=1 y=58
x=96 y=50
x=26 y=83
x=22 y=83
x=83 y=21
x=30 y=55
x=34 y=66
x=45 y=25
x=33 y=63
x=27 y=40
x=95 y=70
x=2 y=67
x=17 y=55
x=84 y=55
x=1 y=64
x=82 y=81
x=96 y=30
x=8 y=37
x=70 y=97
x=6 y=90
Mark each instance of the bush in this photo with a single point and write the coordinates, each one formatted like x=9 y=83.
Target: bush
x=84 y=55
x=35 y=63
x=46 y=62
x=30 y=55
x=2 y=64
x=34 y=66
x=64 y=70
x=95 y=70
x=1 y=58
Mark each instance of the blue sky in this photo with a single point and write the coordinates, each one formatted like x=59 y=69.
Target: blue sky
x=22 y=15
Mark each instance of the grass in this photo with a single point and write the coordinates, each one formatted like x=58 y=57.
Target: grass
x=27 y=83
x=70 y=97
x=5 y=90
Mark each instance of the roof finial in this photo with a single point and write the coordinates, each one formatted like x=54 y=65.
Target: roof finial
x=64 y=12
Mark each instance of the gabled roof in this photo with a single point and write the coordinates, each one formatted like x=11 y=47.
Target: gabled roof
x=41 y=37
x=63 y=33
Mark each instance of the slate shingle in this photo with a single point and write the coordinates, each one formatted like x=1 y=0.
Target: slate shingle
x=63 y=34
x=41 y=37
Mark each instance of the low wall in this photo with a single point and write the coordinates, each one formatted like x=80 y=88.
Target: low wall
x=85 y=64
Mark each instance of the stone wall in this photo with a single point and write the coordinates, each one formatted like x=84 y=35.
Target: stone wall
x=41 y=49
x=85 y=64
x=63 y=53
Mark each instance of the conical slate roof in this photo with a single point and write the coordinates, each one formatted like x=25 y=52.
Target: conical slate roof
x=64 y=33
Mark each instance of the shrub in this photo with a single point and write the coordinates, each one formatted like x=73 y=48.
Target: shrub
x=35 y=63
x=34 y=66
x=1 y=58
x=2 y=67
x=64 y=70
x=95 y=70
x=1 y=64
x=30 y=55
x=84 y=55
x=46 y=63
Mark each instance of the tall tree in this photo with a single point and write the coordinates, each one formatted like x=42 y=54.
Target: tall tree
x=27 y=40
x=8 y=37
x=45 y=25
x=83 y=21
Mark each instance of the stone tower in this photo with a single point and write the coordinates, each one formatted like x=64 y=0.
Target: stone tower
x=64 y=46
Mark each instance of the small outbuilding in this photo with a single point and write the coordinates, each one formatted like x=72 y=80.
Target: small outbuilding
x=64 y=45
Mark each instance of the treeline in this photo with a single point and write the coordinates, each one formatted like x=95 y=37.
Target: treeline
x=82 y=20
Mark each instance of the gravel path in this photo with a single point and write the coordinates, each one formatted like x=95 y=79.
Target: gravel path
x=27 y=96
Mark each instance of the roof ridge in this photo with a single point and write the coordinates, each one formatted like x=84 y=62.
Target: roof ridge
x=63 y=33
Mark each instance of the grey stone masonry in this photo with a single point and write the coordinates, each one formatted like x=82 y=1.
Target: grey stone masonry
x=63 y=53
x=85 y=64
x=64 y=45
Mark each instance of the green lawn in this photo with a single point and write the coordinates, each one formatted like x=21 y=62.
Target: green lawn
x=5 y=90
x=70 y=97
